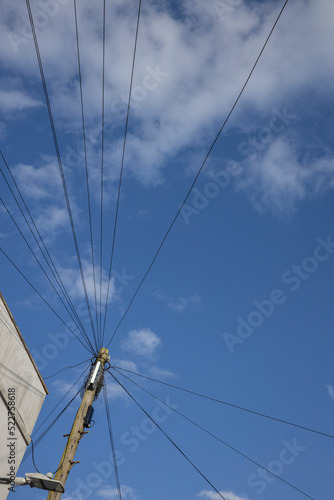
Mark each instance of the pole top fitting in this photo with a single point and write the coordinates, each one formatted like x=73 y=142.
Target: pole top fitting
x=103 y=355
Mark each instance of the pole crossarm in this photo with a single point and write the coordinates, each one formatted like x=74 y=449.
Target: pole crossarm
x=92 y=389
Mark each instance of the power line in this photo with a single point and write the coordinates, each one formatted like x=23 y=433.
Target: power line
x=219 y=439
x=62 y=399
x=54 y=270
x=42 y=436
x=102 y=156
x=86 y=163
x=106 y=404
x=67 y=368
x=43 y=270
x=55 y=140
x=197 y=175
x=117 y=368
x=44 y=433
x=121 y=171
x=169 y=439
x=41 y=297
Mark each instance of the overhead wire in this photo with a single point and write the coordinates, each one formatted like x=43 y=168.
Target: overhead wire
x=169 y=439
x=61 y=400
x=102 y=158
x=43 y=270
x=121 y=170
x=219 y=439
x=44 y=433
x=86 y=162
x=117 y=368
x=43 y=299
x=67 y=368
x=197 y=175
x=106 y=404
x=50 y=264
x=60 y=165
x=47 y=430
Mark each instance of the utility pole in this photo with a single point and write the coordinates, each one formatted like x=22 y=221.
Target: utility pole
x=81 y=420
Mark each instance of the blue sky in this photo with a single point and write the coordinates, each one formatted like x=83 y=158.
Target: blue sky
x=238 y=305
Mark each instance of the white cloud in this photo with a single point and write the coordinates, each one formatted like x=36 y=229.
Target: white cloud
x=180 y=303
x=330 y=390
x=157 y=372
x=178 y=102
x=41 y=188
x=110 y=493
x=16 y=100
x=124 y=363
x=278 y=178
x=228 y=495
x=61 y=387
x=114 y=390
x=143 y=342
x=39 y=182
x=72 y=280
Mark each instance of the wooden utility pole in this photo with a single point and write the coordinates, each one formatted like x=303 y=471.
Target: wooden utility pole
x=93 y=386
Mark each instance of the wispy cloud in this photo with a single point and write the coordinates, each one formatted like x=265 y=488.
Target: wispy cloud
x=71 y=277
x=143 y=343
x=114 y=390
x=280 y=177
x=330 y=390
x=40 y=181
x=187 y=104
x=124 y=363
x=128 y=493
x=160 y=373
x=61 y=386
x=180 y=303
x=229 y=495
x=16 y=100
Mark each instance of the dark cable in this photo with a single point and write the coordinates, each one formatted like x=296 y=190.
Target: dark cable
x=116 y=368
x=33 y=455
x=67 y=368
x=112 y=441
x=169 y=439
x=62 y=399
x=121 y=172
x=54 y=270
x=41 y=297
x=43 y=270
x=102 y=157
x=197 y=175
x=217 y=438
x=86 y=163
x=55 y=140
x=44 y=433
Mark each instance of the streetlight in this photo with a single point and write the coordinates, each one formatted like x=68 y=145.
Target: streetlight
x=37 y=480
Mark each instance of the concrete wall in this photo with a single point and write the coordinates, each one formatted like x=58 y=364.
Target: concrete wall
x=22 y=389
